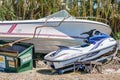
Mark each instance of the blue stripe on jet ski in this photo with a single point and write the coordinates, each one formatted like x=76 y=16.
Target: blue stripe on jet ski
x=96 y=46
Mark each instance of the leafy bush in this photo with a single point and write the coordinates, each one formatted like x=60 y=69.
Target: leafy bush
x=117 y=35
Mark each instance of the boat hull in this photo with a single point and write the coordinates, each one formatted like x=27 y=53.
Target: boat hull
x=46 y=38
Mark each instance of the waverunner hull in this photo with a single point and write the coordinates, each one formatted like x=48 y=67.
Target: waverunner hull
x=99 y=56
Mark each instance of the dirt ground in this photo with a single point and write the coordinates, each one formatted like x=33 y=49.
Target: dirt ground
x=43 y=72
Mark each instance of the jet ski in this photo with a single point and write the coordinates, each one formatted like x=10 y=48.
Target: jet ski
x=97 y=47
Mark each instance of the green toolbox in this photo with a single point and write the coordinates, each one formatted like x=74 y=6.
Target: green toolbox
x=17 y=58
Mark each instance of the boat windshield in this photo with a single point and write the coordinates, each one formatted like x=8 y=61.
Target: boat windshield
x=60 y=14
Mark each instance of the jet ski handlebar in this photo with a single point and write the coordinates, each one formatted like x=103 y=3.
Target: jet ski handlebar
x=90 y=33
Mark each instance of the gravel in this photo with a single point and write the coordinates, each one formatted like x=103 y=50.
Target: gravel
x=43 y=72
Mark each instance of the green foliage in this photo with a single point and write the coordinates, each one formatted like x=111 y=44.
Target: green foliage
x=117 y=35
x=27 y=9
x=7 y=12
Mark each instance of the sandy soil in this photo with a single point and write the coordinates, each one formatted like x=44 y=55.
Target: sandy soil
x=45 y=74
x=42 y=72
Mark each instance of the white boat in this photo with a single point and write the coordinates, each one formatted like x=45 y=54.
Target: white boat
x=99 y=47
x=57 y=29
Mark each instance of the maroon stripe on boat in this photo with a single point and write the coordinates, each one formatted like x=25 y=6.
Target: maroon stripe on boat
x=12 y=28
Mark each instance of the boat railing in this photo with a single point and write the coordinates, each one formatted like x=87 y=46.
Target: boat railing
x=45 y=24
x=95 y=19
x=85 y=18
